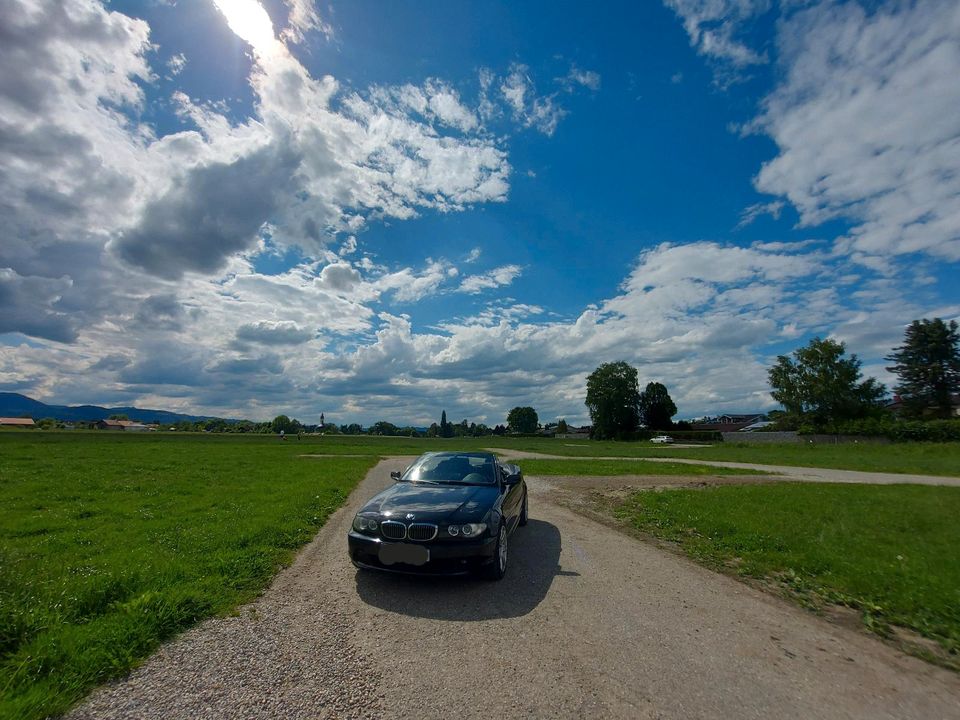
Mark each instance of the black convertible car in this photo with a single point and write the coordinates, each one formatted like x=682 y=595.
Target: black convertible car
x=449 y=513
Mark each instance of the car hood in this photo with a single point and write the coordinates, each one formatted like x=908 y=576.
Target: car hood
x=434 y=502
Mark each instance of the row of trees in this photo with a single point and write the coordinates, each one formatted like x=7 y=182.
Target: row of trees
x=617 y=406
x=821 y=389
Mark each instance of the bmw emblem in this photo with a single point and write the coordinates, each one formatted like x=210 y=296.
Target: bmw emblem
x=410 y=516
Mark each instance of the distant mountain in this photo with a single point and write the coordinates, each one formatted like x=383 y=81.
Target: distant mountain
x=14 y=405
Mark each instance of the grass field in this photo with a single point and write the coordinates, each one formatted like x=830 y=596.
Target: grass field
x=110 y=544
x=918 y=458
x=624 y=467
x=888 y=551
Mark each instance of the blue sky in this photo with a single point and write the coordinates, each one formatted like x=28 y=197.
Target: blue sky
x=384 y=210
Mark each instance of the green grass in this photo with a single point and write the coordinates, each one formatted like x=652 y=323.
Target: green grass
x=889 y=551
x=623 y=467
x=916 y=457
x=110 y=544
x=920 y=458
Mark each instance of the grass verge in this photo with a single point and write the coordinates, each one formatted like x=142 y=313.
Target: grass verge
x=111 y=544
x=890 y=552
x=921 y=458
x=624 y=467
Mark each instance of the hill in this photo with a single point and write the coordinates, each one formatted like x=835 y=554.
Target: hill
x=15 y=405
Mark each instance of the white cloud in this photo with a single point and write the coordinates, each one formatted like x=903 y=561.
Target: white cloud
x=714 y=27
x=577 y=76
x=773 y=208
x=176 y=64
x=529 y=109
x=866 y=124
x=304 y=17
x=497 y=277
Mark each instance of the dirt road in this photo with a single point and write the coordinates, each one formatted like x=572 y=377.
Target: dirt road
x=587 y=623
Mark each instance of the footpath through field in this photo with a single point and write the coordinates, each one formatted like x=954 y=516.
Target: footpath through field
x=790 y=472
x=587 y=623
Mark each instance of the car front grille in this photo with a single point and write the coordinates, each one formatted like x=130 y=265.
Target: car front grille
x=422 y=531
x=393 y=530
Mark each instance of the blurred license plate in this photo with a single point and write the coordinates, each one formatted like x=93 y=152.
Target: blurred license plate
x=391 y=553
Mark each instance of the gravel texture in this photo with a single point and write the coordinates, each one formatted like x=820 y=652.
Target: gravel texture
x=587 y=623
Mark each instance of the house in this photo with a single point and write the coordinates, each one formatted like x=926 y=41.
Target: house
x=125 y=425
x=17 y=422
x=896 y=406
x=728 y=423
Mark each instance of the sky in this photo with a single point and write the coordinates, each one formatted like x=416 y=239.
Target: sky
x=380 y=211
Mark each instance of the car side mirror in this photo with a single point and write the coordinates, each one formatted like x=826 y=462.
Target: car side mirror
x=512 y=478
x=395 y=474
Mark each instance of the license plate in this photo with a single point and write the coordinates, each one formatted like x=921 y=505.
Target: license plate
x=391 y=553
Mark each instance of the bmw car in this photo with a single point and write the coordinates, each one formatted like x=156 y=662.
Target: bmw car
x=449 y=513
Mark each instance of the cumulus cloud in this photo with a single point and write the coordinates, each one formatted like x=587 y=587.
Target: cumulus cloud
x=268 y=332
x=866 y=125
x=214 y=213
x=497 y=277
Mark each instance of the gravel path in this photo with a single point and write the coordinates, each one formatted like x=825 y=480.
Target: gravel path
x=587 y=623
x=790 y=472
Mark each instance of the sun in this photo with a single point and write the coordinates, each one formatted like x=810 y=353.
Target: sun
x=250 y=21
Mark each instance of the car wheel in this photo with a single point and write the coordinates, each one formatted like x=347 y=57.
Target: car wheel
x=498 y=568
x=524 y=515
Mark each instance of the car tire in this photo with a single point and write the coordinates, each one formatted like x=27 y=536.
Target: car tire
x=498 y=568
x=524 y=514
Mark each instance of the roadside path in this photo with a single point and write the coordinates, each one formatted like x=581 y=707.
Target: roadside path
x=791 y=472
x=587 y=623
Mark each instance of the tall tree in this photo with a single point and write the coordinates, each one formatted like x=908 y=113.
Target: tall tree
x=562 y=426
x=656 y=407
x=928 y=365
x=523 y=420
x=446 y=429
x=819 y=386
x=613 y=399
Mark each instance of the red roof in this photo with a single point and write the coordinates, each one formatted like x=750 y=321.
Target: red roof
x=26 y=422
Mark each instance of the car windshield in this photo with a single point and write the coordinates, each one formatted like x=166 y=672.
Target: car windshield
x=452 y=468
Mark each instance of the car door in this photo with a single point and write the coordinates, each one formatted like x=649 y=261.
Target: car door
x=512 y=500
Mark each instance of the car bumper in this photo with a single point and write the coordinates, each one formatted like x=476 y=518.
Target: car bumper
x=456 y=557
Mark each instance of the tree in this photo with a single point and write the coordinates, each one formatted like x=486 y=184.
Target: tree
x=820 y=387
x=613 y=399
x=118 y=416
x=928 y=365
x=281 y=423
x=446 y=429
x=656 y=407
x=522 y=420
x=562 y=427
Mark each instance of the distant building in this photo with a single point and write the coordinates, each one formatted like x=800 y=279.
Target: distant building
x=125 y=425
x=896 y=406
x=17 y=422
x=729 y=423
x=576 y=433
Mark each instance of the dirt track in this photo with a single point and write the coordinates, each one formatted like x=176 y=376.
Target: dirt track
x=587 y=623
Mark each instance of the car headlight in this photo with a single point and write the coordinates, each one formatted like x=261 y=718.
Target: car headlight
x=467 y=529
x=365 y=524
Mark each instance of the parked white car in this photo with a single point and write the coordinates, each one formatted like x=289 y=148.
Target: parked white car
x=660 y=439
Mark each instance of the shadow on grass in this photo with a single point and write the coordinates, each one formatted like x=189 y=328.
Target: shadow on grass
x=533 y=564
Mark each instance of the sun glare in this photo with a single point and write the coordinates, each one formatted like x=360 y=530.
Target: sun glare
x=250 y=21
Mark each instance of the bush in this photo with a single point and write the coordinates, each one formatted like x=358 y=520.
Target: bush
x=902 y=430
